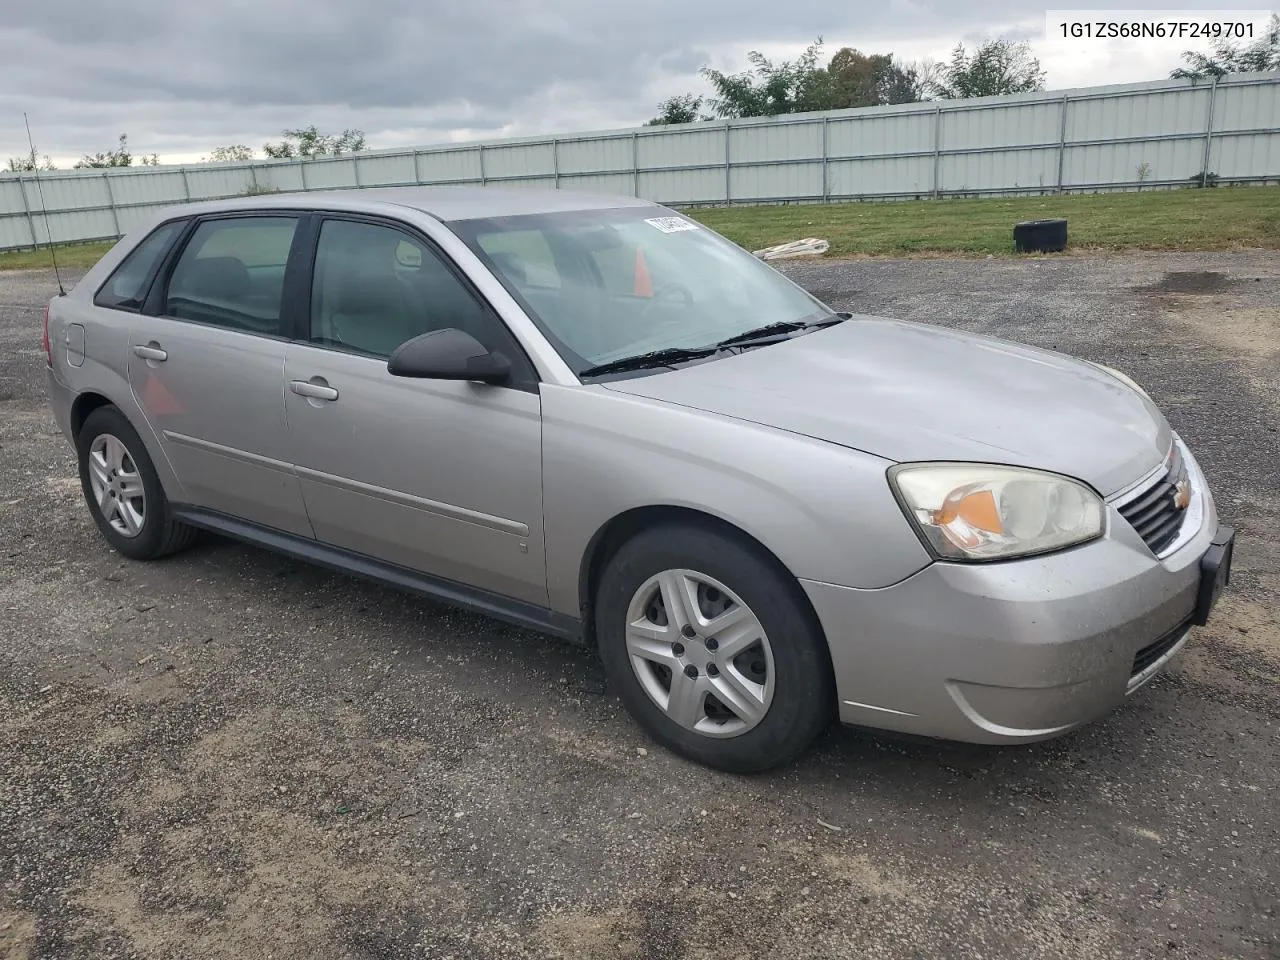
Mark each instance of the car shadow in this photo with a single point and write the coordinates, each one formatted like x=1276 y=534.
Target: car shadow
x=846 y=767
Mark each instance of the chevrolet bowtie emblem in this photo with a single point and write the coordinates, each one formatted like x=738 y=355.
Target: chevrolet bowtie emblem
x=1182 y=495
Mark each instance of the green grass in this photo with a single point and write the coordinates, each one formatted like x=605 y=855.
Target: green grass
x=77 y=256
x=1222 y=218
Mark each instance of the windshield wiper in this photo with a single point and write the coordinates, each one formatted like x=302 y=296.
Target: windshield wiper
x=655 y=358
x=773 y=332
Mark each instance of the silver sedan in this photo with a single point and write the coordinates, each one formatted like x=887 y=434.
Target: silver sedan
x=594 y=417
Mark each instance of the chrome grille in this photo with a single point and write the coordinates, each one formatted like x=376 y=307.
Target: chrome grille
x=1156 y=513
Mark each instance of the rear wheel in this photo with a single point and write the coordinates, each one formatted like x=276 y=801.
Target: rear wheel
x=123 y=490
x=712 y=650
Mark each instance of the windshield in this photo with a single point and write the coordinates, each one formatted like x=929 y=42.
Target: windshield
x=608 y=284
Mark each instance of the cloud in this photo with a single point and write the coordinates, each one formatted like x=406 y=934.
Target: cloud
x=182 y=78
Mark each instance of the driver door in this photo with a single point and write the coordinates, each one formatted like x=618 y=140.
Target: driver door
x=441 y=477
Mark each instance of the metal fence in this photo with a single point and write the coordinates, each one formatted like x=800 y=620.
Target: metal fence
x=1123 y=137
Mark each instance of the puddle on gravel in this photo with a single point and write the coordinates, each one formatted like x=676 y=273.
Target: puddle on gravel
x=1190 y=281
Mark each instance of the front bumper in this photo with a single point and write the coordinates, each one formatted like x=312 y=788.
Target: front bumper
x=1015 y=651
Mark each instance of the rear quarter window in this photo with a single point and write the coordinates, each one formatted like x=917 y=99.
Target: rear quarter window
x=127 y=287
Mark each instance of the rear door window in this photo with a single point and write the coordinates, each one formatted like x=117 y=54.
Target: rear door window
x=126 y=289
x=231 y=274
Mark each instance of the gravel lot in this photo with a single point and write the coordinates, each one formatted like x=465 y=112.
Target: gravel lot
x=227 y=754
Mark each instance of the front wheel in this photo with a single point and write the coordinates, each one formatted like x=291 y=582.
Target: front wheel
x=712 y=649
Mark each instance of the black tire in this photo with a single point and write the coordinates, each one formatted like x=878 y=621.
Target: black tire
x=1040 y=236
x=159 y=534
x=803 y=702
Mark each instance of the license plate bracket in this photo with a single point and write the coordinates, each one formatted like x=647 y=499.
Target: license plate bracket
x=1215 y=573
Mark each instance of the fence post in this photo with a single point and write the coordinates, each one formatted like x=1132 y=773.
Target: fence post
x=253 y=176
x=728 y=194
x=31 y=221
x=937 y=147
x=186 y=185
x=482 y=176
x=111 y=201
x=355 y=168
x=1062 y=140
x=555 y=160
x=302 y=174
x=635 y=164
x=417 y=169
x=826 y=192
x=1208 y=134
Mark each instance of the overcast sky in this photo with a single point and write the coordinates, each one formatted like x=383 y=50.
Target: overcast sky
x=183 y=77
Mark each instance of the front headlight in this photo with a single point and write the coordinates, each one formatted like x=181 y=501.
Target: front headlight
x=976 y=511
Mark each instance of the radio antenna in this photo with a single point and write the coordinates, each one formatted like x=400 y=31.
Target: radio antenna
x=48 y=234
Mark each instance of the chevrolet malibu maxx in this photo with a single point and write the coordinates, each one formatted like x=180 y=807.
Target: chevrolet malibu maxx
x=596 y=418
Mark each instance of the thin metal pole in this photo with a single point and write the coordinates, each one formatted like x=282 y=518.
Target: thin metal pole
x=937 y=147
x=1208 y=133
x=482 y=176
x=1062 y=140
x=31 y=220
x=355 y=169
x=111 y=201
x=728 y=166
x=826 y=190
x=417 y=169
x=635 y=164
x=253 y=175
x=186 y=185
x=302 y=173
x=555 y=161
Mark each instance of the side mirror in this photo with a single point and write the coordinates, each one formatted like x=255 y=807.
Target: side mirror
x=449 y=354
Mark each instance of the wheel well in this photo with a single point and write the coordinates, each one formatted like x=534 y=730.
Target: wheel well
x=84 y=405
x=620 y=529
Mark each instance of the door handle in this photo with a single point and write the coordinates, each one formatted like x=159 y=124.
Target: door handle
x=150 y=352
x=313 y=391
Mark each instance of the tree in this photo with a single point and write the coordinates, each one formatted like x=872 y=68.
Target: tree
x=1227 y=57
x=686 y=108
x=857 y=79
x=769 y=89
x=228 y=154
x=850 y=79
x=307 y=143
x=31 y=162
x=995 y=68
x=119 y=157
x=903 y=83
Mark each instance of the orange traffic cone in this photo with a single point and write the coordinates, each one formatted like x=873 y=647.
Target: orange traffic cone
x=644 y=283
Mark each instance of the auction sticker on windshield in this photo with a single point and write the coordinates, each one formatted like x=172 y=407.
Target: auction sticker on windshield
x=671 y=224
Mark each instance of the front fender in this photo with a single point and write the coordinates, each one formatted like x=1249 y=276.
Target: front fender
x=826 y=512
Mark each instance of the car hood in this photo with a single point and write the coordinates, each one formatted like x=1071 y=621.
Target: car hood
x=911 y=392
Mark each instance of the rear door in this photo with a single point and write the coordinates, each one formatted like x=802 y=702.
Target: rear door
x=206 y=365
x=442 y=477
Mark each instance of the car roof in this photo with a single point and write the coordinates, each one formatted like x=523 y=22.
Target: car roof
x=446 y=203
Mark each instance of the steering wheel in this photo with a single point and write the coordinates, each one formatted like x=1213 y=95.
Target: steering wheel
x=664 y=293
